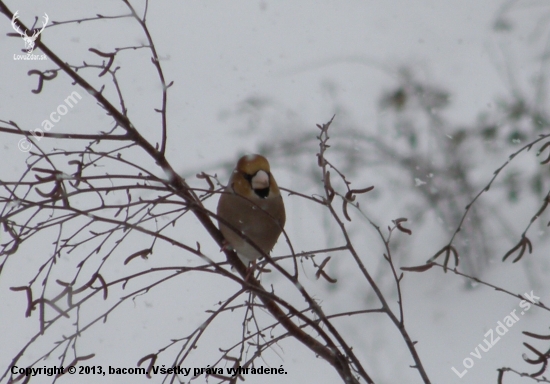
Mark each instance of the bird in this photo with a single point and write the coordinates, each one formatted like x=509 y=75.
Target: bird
x=251 y=204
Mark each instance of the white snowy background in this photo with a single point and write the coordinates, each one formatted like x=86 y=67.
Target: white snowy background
x=297 y=55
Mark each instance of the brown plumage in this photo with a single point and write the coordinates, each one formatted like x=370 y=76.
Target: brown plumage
x=252 y=204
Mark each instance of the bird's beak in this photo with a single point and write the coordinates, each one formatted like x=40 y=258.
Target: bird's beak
x=260 y=180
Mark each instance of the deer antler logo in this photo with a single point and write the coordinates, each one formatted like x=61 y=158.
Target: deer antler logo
x=29 y=40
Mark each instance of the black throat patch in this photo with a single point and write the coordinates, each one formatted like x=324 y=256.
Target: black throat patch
x=263 y=193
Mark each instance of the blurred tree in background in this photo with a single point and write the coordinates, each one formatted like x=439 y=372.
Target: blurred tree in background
x=110 y=224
